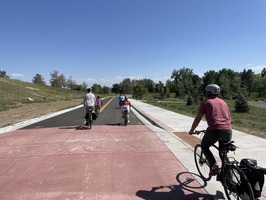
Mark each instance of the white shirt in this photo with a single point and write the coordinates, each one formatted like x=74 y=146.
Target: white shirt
x=89 y=99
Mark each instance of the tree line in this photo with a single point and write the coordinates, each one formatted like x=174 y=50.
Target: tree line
x=184 y=83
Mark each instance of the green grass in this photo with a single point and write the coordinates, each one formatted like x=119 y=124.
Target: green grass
x=252 y=122
x=14 y=93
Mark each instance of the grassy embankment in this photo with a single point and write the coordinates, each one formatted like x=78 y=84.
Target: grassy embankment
x=252 y=122
x=14 y=93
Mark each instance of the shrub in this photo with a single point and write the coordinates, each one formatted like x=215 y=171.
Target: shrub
x=241 y=104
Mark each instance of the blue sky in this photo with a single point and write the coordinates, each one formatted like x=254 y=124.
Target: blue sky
x=105 y=41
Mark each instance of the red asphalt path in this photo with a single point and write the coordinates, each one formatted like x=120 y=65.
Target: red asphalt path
x=106 y=162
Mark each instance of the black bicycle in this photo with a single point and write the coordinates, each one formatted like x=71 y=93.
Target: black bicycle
x=126 y=117
x=89 y=119
x=232 y=177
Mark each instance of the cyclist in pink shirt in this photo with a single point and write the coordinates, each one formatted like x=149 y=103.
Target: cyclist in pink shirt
x=218 y=118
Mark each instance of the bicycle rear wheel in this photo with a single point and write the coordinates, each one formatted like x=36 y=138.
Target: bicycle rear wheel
x=236 y=184
x=202 y=164
x=126 y=119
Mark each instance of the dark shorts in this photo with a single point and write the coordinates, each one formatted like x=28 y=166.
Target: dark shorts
x=212 y=136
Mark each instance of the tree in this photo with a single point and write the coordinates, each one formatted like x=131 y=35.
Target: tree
x=247 y=80
x=4 y=75
x=96 y=88
x=139 y=91
x=210 y=77
x=126 y=86
x=38 y=79
x=84 y=86
x=263 y=73
x=116 y=88
x=106 y=90
x=229 y=81
x=186 y=82
x=57 y=80
x=71 y=84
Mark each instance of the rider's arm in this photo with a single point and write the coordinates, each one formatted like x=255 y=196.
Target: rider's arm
x=196 y=122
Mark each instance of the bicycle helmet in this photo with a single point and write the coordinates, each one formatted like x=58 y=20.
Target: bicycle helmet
x=213 y=88
x=89 y=89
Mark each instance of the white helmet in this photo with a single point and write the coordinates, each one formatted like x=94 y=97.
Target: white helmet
x=213 y=88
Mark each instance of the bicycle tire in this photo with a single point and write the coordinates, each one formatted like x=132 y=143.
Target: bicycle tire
x=202 y=164
x=236 y=184
x=126 y=119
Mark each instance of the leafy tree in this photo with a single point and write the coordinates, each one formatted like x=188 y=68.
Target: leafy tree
x=247 y=80
x=126 y=86
x=241 y=104
x=116 y=88
x=161 y=89
x=38 y=79
x=186 y=82
x=106 y=90
x=263 y=73
x=139 y=91
x=228 y=80
x=210 y=77
x=96 y=88
x=71 y=84
x=4 y=75
x=261 y=87
x=84 y=86
x=57 y=80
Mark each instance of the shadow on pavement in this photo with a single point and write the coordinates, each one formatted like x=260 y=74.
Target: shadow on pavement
x=186 y=189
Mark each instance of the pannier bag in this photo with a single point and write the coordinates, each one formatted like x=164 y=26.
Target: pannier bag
x=94 y=116
x=254 y=175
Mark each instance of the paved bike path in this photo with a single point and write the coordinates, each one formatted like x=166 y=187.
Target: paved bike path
x=151 y=170
x=181 y=144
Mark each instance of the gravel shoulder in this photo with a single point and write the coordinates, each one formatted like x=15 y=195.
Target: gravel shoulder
x=259 y=104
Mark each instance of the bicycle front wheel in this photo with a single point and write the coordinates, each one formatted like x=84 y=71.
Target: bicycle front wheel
x=202 y=164
x=236 y=184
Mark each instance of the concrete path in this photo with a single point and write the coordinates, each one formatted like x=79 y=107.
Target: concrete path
x=175 y=137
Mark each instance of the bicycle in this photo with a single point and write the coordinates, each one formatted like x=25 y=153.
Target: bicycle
x=126 y=117
x=233 y=179
x=88 y=117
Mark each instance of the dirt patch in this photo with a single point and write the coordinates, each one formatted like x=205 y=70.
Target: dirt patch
x=32 y=110
x=188 y=138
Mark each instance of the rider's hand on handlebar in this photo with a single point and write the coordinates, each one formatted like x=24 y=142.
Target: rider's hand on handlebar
x=190 y=132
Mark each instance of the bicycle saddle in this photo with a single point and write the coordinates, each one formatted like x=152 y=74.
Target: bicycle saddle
x=229 y=146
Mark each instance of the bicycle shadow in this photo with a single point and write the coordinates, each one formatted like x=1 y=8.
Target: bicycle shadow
x=185 y=190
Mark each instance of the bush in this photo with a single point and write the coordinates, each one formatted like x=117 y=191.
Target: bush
x=241 y=104
x=190 y=100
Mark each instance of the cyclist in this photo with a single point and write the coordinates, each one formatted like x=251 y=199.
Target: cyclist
x=218 y=118
x=125 y=105
x=89 y=101
x=121 y=98
x=98 y=102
